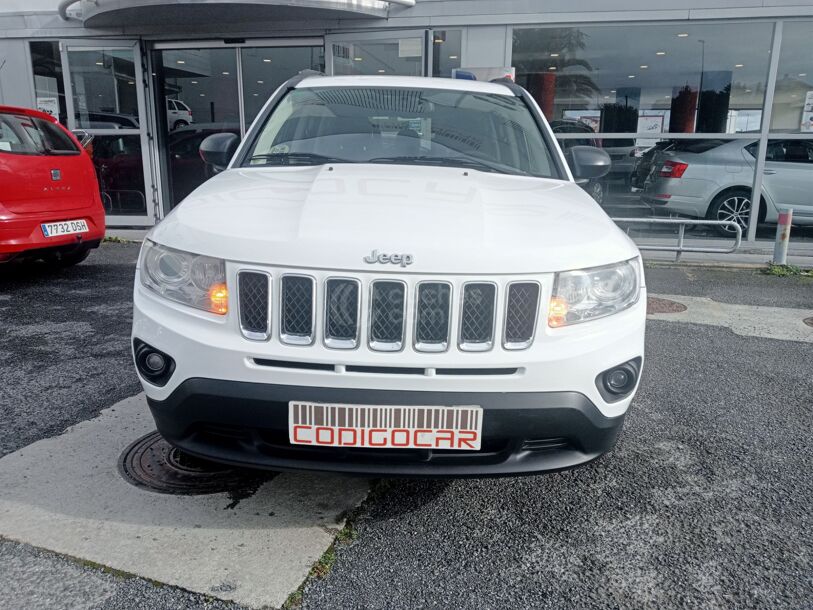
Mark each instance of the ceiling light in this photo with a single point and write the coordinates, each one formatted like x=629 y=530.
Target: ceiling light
x=612 y=90
x=260 y=82
x=267 y=60
x=439 y=41
x=606 y=97
x=452 y=56
x=551 y=67
x=644 y=67
x=180 y=61
x=99 y=63
x=802 y=73
x=194 y=82
x=203 y=95
x=381 y=71
x=358 y=58
x=554 y=55
x=129 y=82
x=683 y=35
x=660 y=52
x=738 y=65
x=225 y=73
x=748 y=91
x=256 y=94
x=631 y=76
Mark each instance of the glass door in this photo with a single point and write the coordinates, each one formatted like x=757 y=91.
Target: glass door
x=205 y=88
x=104 y=97
x=401 y=53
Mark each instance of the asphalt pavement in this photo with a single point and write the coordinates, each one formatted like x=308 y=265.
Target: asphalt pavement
x=704 y=503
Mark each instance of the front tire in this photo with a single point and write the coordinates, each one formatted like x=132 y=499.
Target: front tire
x=733 y=205
x=179 y=124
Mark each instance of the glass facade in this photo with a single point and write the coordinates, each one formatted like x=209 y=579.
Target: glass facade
x=648 y=79
x=793 y=100
x=625 y=88
x=679 y=107
x=205 y=93
x=49 y=87
x=400 y=56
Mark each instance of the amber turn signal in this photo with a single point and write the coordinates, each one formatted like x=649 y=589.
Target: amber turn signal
x=219 y=299
x=557 y=312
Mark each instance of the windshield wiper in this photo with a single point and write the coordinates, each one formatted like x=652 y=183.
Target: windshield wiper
x=441 y=161
x=297 y=158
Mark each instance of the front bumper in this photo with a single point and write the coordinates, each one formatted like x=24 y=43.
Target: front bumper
x=223 y=382
x=246 y=424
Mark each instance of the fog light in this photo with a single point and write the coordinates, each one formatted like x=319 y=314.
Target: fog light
x=619 y=381
x=154 y=365
x=155 y=362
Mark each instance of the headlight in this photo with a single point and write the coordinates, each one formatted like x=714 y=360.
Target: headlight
x=192 y=279
x=587 y=294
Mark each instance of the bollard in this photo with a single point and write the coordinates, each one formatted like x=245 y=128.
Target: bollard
x=780 y=248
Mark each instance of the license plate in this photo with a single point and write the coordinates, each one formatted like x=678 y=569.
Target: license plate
x=385 y=427
x=67 y=227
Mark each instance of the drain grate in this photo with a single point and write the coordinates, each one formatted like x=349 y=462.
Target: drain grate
x=656 y=305
x=154 y=464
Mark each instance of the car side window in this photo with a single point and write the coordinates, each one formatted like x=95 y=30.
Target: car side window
x=10 y=139
x=798 y=151
x=53 y=139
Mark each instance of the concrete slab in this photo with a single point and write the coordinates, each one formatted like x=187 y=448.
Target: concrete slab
x=66 y=495
x=781 y=323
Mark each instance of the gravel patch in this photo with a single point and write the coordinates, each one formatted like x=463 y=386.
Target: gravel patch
x=34 y=579
x=744 y=286
x=64 y=343
x=705 y=503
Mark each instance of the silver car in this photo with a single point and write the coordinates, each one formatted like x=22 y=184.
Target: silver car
x=712 y=179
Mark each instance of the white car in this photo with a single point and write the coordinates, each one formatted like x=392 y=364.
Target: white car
x=396 y=276
x=178 y=114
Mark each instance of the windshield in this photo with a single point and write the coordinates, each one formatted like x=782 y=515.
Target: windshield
x=485 y=132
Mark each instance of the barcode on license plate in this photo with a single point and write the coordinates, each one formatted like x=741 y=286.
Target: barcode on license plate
x=332 y=425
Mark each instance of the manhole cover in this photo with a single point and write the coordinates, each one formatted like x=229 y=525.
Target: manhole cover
x=808 y=321
x=656 y=305
x=152 y=463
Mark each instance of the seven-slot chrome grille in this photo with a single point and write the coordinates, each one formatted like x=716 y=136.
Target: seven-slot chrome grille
x=473 y=315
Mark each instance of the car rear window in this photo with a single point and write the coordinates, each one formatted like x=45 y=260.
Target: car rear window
x=25 y=135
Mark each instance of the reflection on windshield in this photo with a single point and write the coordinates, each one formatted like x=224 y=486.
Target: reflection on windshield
x=484 y=132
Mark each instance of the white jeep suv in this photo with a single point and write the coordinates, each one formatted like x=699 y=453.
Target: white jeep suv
x=396 y=276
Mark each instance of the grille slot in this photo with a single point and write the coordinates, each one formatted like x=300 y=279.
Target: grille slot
x=432 y=316
x=296 y=310
x=253 y=294
x=521 y=312
x=477 y=317
x=342 y=308
x=387 y=308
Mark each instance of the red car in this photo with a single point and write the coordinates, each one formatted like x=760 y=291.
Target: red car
x=50 y=207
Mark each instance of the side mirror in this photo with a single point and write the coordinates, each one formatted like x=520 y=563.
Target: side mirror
x=218 y=149
x=84 y=138
x=588 y=162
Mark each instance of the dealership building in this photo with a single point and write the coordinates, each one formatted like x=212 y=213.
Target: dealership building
x=725 y=87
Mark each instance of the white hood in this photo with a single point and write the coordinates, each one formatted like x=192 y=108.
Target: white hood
x=450 y=220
